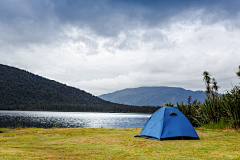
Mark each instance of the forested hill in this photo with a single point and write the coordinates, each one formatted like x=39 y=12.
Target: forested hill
x=153 y=96
x=21 y=90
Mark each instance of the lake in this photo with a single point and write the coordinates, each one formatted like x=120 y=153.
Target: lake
x=42 y=119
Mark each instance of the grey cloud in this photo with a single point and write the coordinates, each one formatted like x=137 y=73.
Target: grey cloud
x=157 y=39
x=162 y=12
x=97 y=15
x=153 y=37
x=36 y=36
x=92 y=45
x=39 y=21
x=27 y=22
x=134 y=40
x=125 y=41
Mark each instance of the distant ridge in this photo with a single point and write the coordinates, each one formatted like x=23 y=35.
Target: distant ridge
x=22 y=90
x=152 y=96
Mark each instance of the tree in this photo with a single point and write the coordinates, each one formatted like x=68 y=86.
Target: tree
x=207 y=79
x=189 y=100
x=211 y=88
x=238 y=73
x=215 y=86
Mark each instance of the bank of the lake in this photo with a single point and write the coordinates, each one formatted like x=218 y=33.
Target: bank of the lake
x=103 y=143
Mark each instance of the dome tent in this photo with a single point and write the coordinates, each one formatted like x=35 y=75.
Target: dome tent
x=168 y=123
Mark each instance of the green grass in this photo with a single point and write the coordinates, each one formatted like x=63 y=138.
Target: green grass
x=222 y=124
x=103 y=143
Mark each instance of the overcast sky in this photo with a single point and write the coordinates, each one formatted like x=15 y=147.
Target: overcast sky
x=102 y=46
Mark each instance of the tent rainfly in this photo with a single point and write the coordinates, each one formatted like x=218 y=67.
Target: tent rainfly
x=168 y=123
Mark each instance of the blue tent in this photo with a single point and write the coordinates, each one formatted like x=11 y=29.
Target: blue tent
x=168 y=123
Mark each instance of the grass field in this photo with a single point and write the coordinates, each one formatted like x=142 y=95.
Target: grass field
x=103 y=143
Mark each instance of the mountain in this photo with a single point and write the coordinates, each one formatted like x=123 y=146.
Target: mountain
x=22 y=90
x=152 y=96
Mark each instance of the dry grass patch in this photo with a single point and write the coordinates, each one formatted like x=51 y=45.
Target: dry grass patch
x=103 y=143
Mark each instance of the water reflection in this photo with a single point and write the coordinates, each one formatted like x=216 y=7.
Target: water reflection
x=43 y=119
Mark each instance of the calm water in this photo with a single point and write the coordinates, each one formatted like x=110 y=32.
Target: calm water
x=43 y=119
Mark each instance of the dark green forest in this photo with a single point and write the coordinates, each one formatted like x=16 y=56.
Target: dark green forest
x=22 y=90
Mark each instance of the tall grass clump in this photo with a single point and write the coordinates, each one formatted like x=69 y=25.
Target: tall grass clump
x=207 y=114
x=231 y=105
x=189 y=110
x=217 y=111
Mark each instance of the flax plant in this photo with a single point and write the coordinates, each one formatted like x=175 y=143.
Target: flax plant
x=217 y=109
x=231 y=104
x=189 y=110
x=205 y=114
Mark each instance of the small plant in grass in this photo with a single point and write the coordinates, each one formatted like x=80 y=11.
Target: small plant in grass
x=1 y=130
x=55 y=125
x=18 y=125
